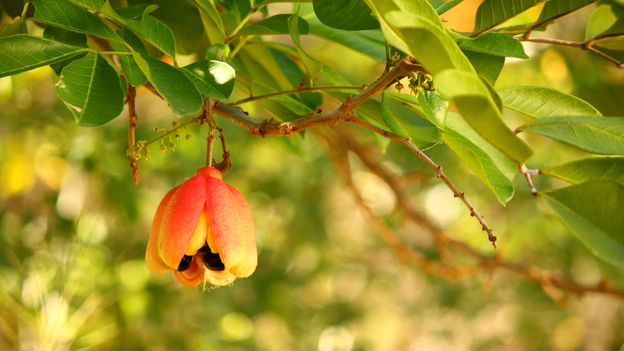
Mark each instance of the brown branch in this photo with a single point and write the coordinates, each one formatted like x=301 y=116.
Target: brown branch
x=133 y=119
x=294 y=91
x=439 y=173
x=402 y=251
x=345 y=113
x=545 y=278
x=342 y=113
x=587 y=45
x=528 y=174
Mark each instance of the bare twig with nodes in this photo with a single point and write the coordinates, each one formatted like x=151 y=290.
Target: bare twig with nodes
x=547 y=280
x=587 y=45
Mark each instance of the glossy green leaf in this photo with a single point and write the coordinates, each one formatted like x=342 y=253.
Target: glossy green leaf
x=93 y=5
x=131 y=70
x=405 y=122
x=412 y=25
x=600 y=135
x=277 y=24
x=487 y=66
x=555 y=9
x=489 y=164
x=91 y=89
x=66 y=37
x=21 y=52
x=442 y=6
x=593 y=213
x=172 y=84
x=151 y=30
x=493 y=44
x=428 y=104
x=136 y=12
x=72 y=17
x=602 y=18
x=213 y=24
x=540 y=102
x=474 y=101
x=595 y=168
x=345 y=14
x=606 y=27
x=183 y=18
x=494 y=12
x=214 y=79
x=367 y=42
x=312 y=66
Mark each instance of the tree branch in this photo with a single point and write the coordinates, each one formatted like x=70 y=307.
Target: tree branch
x=345 y=113
x=342 y=113
x=133 y=119
x=294 y=91
x=587 y=45
x=545 y=278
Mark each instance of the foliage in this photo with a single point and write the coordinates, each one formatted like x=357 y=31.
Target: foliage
x=404 y=104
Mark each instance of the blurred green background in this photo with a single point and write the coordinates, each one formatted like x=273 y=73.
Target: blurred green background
x=73 y=230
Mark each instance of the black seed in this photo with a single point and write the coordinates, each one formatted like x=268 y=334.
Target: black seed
x=213 y=262
x=185 y=263
x=204 y=249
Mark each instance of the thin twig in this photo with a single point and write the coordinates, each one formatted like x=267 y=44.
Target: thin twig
x=439 y=173
x=342 y=113
x=402 y=251
x=529 y=173
x=133 y=119
x=295 y=91
x=242 y=23
x=345 y=113
x=543 y=277
x=587 y=45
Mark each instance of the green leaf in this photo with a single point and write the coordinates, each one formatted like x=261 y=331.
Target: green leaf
x=494 y=12
x=602 y=18
x=411 y=26
x=172 y=84
x=489 y=164
x=555 y=9
x=151 y=30
x=312 y=66
x=593 y=213
x=595 y=168
x=131 y=70
x=72 y=17
x=442 y=6
x=67 y=37
x=185 y=22
x=134 y=12
x=487 y=66
x=214 y=79
x=277 y=24
x=594 y=134
x=212 y=21
x=540 y=102
x=93 y=5
x=493 y=44
x=474 y=101
x=91 y=89
x=345 y=14
x=19 y=53
x=405 y=122
x=367 y=42
x=428 y=104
